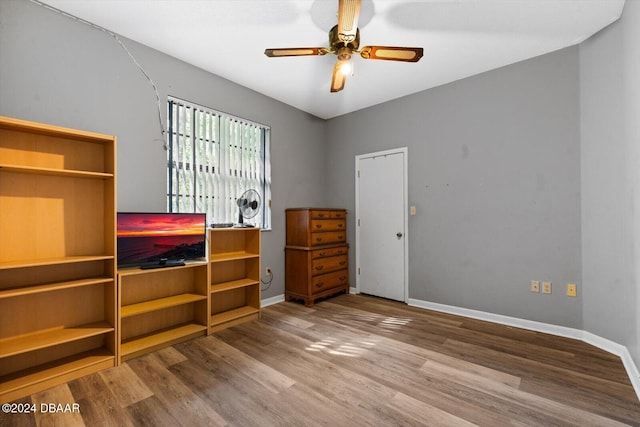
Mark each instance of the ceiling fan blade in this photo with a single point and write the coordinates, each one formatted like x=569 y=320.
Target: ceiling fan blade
x=390 y=53
x=338 y=78
x=296 y=51
x=348 y=14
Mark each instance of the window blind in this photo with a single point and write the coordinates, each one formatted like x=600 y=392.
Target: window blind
x=213 y=158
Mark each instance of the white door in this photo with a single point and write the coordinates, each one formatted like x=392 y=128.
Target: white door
x=381 y=218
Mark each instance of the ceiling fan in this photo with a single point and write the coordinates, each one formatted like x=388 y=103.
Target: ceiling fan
x=344 y=41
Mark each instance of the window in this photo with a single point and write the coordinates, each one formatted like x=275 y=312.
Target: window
x=212 y=159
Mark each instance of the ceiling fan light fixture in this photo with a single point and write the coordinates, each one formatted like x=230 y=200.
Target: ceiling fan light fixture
x=346 y=67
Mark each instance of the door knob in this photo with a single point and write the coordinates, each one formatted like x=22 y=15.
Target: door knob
x=399 y=234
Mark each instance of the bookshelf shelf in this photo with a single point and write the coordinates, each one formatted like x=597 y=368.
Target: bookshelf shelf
x=145 y=344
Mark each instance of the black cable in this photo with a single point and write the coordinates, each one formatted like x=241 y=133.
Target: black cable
x=268 y=283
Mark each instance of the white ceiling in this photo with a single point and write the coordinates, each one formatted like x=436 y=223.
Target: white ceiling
x=460 y=38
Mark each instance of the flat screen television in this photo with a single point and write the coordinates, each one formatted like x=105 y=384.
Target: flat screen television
x=156 y=240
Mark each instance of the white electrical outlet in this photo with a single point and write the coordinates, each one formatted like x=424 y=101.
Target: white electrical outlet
x=535 y=286
x=546 y=287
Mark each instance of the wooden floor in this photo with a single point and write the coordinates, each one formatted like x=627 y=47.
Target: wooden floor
x=354 y=361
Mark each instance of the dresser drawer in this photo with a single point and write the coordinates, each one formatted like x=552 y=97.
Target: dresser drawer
x=328 y=281
x=328 y=238
x=325 y=265
x=323 y=214
x=323 y=253
x=338 y=214
x=328 y=225
x=328 y=214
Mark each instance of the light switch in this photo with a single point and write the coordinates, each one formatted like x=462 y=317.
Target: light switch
x=412 y=210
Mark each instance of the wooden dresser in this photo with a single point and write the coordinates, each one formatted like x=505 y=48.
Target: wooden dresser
x=316 y=254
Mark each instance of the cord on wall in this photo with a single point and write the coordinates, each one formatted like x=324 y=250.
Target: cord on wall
x=117 y=39
x=268 y=282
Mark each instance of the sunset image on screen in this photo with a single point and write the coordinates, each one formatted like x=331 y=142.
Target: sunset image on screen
x=149 y=225
x=152 y=237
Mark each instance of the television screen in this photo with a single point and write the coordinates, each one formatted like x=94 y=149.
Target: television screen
x=153 y=240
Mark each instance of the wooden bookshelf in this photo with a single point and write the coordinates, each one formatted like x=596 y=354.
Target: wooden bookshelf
x=161 y=307
x=58 y=311
x=234 y=257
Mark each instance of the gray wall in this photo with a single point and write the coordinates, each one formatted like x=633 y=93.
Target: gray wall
x=56 y=70
x=494 y=171
x=610 y=138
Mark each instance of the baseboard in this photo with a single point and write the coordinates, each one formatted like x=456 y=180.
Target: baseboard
x=273 y=300
x=602 y=343
x=618 y=350
x=498 y=318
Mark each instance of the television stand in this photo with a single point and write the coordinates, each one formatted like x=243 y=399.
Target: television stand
x=163 y=263
x=161 y=307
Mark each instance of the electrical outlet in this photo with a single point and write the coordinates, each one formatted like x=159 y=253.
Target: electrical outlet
x=546 y=287
x=267 y=271
x=572 y=290
x=535 y=286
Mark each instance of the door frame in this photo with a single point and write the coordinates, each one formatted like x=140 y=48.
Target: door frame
x=405 y=219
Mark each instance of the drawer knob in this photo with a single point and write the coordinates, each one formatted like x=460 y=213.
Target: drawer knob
x=340 y=225
x=319 y=267
x=322 y=253
x=342 y=262
x=318 y=225
x=318 y=239
x=343 y=277
x=320 y=284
